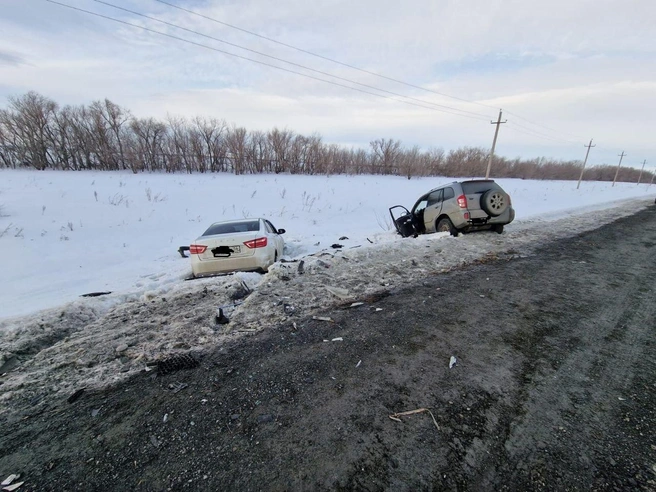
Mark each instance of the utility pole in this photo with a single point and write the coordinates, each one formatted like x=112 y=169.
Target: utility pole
x=586 y=160
x=643 y=168
x=494 y=144
x=621 y=156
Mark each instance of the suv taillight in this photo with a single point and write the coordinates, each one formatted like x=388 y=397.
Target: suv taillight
x=197 y=249
x=462 y=201
x=260 y=242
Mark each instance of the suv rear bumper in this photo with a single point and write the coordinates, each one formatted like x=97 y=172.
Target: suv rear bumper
x=487 y=222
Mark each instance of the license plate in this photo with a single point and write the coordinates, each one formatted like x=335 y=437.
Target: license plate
x=226 y=251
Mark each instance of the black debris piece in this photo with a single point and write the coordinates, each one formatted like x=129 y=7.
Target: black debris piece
x=75 y=396
x=175 y=363
x=336 y=246
x=343 y=238
x=182 y=250
x=10 y=364
x=96 y=294
x=370 y=241
x=221 y=319
x=301 y=266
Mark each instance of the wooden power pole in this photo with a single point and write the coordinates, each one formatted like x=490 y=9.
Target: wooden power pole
x=494 y=144
x=586 y=160
x=641 y=170
x=621 y=156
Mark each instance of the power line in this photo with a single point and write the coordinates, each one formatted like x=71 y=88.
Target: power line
x=353 y=67
x=258 y=61
x=544 y=126
x=286 y=61
x=332 y=60
x=533 y=133
x=542 y=134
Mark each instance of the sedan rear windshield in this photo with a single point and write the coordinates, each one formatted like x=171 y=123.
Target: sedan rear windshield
x=233 y=227
x=471 y=187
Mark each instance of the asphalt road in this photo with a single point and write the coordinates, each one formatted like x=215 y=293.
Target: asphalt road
x=553 y=388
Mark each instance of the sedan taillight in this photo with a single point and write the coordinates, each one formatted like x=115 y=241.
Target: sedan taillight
x=260 y=242
x=197 y=249
x=462 y=201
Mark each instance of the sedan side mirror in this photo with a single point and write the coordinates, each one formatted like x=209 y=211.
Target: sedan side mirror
x=281 y=231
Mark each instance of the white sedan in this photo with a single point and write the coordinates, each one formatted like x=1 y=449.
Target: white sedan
x=236 y=245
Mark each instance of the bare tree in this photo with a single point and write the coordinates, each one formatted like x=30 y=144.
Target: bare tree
x=147 y=144
x=386 y=153
x=237 y=143
x=280 y=144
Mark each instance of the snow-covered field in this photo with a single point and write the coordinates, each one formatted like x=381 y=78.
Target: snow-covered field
x=66 y=234
x=69 y=233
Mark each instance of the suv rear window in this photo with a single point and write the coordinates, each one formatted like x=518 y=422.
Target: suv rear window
x=471 y=187
x=233 y=227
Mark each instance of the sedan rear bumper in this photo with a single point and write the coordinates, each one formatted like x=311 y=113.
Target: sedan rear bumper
x=227 y=265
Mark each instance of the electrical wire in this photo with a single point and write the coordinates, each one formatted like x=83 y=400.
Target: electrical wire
x=542 y=133
x=260 y=62
x=578 y=137
x=531 y=133
x=286 y=61
x=332 y=60
x=353 y=67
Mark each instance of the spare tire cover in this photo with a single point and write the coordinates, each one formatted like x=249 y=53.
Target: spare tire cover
x=494 y=202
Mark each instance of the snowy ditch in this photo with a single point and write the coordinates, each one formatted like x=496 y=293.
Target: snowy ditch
x=95 y=342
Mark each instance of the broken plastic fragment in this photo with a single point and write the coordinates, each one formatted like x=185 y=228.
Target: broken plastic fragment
x=338 y=339
x=322 y=318
x=379 y=309
x=341 y=293
x=452 y=362
x=9 y=479
x=11 y=488
x=358 y=364
x=356 y=304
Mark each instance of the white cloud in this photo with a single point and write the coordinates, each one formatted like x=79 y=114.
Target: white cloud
x=583 y=67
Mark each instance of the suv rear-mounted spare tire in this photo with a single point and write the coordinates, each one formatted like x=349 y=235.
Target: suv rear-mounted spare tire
x=494 y=202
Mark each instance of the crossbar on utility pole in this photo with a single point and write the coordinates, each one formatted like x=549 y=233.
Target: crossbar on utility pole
x=621 y=156
x=641 y=170
x=586 y=160
x=494 y=143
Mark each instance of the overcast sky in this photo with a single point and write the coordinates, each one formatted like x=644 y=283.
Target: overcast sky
x=563 y=71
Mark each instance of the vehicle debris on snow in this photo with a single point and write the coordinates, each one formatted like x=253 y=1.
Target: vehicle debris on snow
x=396 y=416
x=339 y=292
x=10 y=479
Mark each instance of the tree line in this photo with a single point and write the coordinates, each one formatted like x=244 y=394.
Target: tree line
x=35 y=132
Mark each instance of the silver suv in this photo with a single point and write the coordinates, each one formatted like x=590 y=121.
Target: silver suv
x=461 y=206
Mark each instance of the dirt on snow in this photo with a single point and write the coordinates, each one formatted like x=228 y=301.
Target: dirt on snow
x=533 y=353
